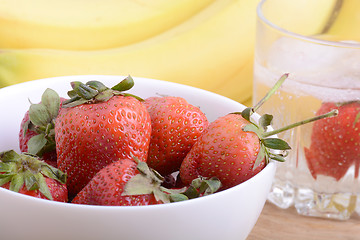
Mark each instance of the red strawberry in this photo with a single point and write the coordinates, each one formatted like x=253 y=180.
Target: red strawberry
x=36 y=134
x=27 y=174
x=127 y=183
x=176 y=125
x=224 y=150
x=234 y=148
x=107 y=186
x=96 y=127
x=335 y=141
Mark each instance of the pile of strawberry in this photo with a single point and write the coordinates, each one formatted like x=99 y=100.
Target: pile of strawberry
x=103 y=146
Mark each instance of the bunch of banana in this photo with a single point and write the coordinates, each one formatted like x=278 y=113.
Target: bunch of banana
x=204 y=43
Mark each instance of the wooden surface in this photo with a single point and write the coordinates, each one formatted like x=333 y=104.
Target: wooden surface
x=279 y=224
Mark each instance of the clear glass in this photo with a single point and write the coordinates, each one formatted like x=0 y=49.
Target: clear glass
x=317 y=43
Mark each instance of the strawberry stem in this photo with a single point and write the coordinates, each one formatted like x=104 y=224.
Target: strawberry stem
x=271 y=92
x=332 y=113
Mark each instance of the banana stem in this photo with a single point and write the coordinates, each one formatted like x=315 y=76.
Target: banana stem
x=271 y=92
x=332 y=113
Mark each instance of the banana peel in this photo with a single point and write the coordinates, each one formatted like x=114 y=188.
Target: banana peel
x=212 y=50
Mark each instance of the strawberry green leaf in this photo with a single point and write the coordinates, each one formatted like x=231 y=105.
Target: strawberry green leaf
x=246 y=113
x=9 y=156
x=151 y=173
x=51 y=100
x=276 y=143
x=178 y=197
x=142 y=184
x=173 y=190
x=196 y=183
x=104 y=96
x=43 y=187
x=357 y=117
x=160 y=195
x=17 y=181
x=5 y=178
x=26 y=127
x=95 y=91
x=5 y=175
x=277 y=157
x=134 y=96
x=72 y=94
x=31 y=182
x=6 y=168
x=27 y=169
x=265 y=121
x=39 y=115
x=75 y=85
x=191 y=192
x=252 y=128
x=174 y=195
x=84 y=90
x=146 y=182
x=210 y=186
x=124 y=85
x=203 y=186
x=53 y=173
x=41 y=121
x=36 y=143
x=73 y=102
x=260 y=157
x=143 y=168
x=99 y=86
x=137 y=185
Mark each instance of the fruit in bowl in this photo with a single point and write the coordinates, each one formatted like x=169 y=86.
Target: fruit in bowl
x=231 y=212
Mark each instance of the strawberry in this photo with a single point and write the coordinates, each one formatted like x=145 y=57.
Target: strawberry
x=107 y=186
x=176 y=125
x=335 y=142
x=234 y=148
x=37 y=134
x=224 y=150
x=129 y=182
x=27 y=174
x=98 y=126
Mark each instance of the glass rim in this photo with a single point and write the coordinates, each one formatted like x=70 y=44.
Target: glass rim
x=262 y=17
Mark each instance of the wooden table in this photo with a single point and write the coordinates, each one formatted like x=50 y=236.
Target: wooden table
x=279 y=224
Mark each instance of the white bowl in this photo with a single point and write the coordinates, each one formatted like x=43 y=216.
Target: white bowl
x=228 y=215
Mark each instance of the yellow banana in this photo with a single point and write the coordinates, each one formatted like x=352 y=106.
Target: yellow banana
x=315 y=14
x=89 y=25
x=212 y=50
x=346 y=23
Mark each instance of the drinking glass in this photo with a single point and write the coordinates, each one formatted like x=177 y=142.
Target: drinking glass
x=317 y=43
